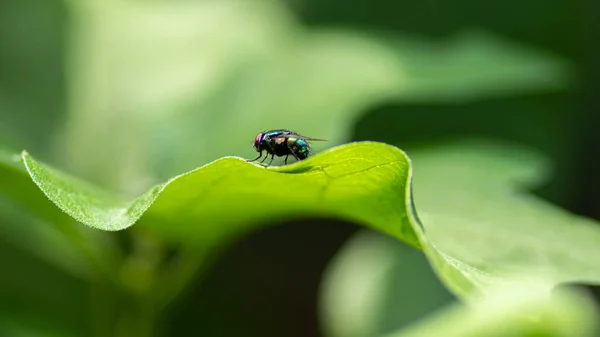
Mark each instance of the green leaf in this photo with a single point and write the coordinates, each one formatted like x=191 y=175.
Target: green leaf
x=30 y=221
x=376 y=284
x=25 y=217
x=482 y=230
x=481 y=221
x=361 y=182
x=474 y=65
x=525 y=312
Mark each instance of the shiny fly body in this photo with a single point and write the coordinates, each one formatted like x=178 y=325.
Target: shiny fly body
x=282 y=143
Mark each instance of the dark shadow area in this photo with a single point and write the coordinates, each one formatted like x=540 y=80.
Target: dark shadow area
x=298 y=170
x=591 y=290
x=268 y=284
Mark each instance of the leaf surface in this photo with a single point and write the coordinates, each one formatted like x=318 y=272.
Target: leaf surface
x=473 y=200
x=480 y=230
x=483 y=231
x=520 y=311
x=362 y=182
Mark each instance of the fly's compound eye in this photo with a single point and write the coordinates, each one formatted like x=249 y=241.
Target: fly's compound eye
x=257 y=141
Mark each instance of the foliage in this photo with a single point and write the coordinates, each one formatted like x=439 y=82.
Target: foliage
x=154 y=93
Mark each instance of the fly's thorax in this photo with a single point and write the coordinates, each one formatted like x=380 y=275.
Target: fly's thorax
x=278 y=146
x=275 y=134
x=266 y=143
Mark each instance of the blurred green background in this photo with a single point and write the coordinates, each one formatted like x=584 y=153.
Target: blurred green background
x=105 y=113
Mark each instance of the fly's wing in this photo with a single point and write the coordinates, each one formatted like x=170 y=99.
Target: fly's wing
x=314 y=139
x=293 y=134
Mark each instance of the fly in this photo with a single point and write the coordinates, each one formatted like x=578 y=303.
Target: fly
x=282 y=143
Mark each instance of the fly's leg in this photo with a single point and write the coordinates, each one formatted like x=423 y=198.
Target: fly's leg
x=257 y=158
x=265 y=158
x=272 y=157
x=286 y=157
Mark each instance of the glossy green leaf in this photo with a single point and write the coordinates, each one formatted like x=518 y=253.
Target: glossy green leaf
x=480 y=230
x=361 y=182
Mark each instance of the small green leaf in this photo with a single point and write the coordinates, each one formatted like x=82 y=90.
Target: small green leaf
x=520 y=311
x=365 y=182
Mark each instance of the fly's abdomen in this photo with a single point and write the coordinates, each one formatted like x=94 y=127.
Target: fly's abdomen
x=299 y=147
